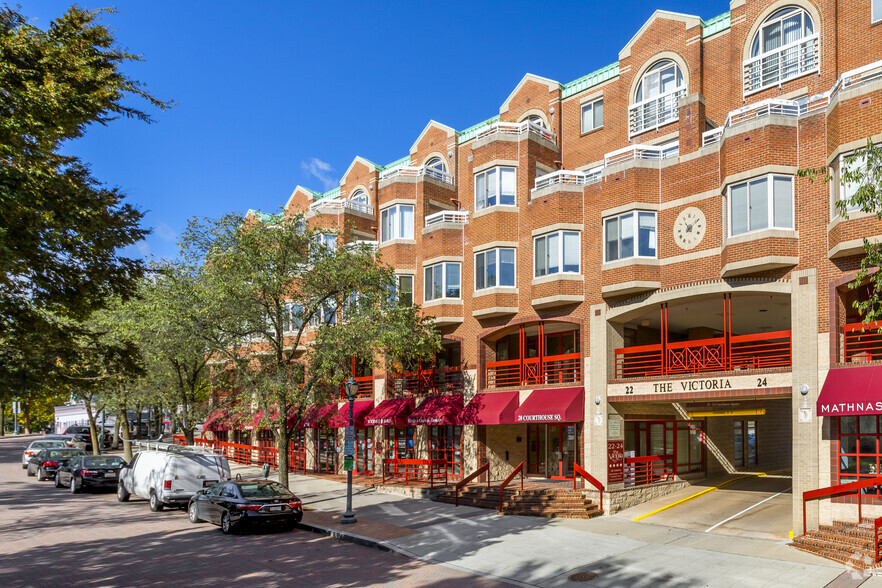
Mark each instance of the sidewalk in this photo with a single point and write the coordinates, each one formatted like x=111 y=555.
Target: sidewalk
x=532 y=551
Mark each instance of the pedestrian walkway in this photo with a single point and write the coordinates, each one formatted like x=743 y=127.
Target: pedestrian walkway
x=534 y=551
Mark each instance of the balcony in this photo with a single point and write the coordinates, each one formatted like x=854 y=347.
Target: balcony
x=655 y=112
x=371 y=245
x=417 y=172
x=338 y=205
x=776 y=67
x=646 y=152
x=763 y=109
x=517 y=129
x=567 y=178
x=535 y=371
x=428 y=381
x=365 y=390
x=742 y=352
x=457 y=217
x=863 y=342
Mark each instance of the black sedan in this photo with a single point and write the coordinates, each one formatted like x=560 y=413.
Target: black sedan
x=89 y=471
x=242 y=503
x=46 y=462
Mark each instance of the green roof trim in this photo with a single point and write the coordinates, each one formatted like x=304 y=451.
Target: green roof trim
x=716 y=24
x=469 y=133
x=592 y=79
x=374 y=165
x=404 y=161
x=312 y=193
x=265 y=217
x=335 y=193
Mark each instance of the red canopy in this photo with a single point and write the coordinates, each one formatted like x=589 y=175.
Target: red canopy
x=393 y=411
x=219 y=420
x=491 y=408
x=360 y=409
x=317 y=417
x=851 y=391
x=553 y=405
x=437 y=410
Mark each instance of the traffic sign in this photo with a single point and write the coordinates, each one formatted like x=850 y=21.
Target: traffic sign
x=348 y=464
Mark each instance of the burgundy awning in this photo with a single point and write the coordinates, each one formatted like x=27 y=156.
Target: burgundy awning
x=317 y=417
x=491 y=408
x=360 y=409
x=437 y=410
x=219 y=420
x=553 y=405
x=393 y=412
x=851 y=391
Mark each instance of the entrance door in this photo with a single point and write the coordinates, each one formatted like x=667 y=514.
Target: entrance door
x=552 y=450
x=364 y=451
x=326 y=451
x=536 y=449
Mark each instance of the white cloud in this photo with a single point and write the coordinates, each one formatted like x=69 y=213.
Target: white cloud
x=165 y=232
x=320 y=170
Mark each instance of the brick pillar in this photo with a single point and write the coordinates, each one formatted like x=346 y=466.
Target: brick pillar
x=595 y=426
x=693 y=123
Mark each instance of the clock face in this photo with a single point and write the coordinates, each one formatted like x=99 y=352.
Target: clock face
x=689 y=228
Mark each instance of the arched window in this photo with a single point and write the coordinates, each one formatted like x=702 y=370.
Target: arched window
x=358 y=200
x=437 y=163
x=359 y=196
x=657 y=97
x=784 y=47
x=537 y=120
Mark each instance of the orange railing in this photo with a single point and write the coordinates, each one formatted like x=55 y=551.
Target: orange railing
x=508 y=479
x=551 y=369
x=838 y=489
x=465 y=481
x=761 y=350
x=428 y=381
x=419 y=471
x=578 y=471
x=863 y=342
x=244 y=454
x=642 y=471
x=365 y=389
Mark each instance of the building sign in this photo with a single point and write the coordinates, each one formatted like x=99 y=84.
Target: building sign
x=614 y=426
x=731 y=408
x=615 y=462
x=698 y=386
x=540 y=418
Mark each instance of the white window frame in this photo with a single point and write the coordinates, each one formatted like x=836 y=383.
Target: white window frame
x=360 y=197
x=563 y=237
x=290 y=324
x=593 y=106
x=318 y=319
x=840 y=191
x=437 y=163
x=325 y=242
x=875 y=9
x=428 y=284
x=635 y=218
x=662 y=108
x=397 y=226
x=770 y=204
x=482 y=203
x=398 y=278
x=497 y=264
x=758 y=57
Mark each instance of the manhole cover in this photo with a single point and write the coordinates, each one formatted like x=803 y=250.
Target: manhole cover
x=582 y=577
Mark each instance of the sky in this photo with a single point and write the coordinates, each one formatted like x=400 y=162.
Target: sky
x=274 y=94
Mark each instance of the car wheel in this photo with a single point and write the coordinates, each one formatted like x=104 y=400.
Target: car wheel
x=57 y=481
x=30 y=472
x=40 y=475
x=192 y=514
x=226 y=523
x=156 y=504
x=122 y=494
x=74 y=488
x=24 y=466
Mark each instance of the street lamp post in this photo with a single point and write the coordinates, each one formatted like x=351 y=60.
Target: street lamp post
x=349 y=451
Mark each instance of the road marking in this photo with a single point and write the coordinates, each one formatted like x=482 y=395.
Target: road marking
x=697 y=494
x=747 y=509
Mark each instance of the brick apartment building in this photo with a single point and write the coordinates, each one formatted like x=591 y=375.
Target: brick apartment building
x=627 y=271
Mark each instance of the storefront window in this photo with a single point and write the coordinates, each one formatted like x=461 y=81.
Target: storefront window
x=859 y=449
x=399 y=443
x=445 y=442
x=679 y=443
x=326 y=451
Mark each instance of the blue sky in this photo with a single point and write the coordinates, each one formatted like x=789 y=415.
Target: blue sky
x=275 y=94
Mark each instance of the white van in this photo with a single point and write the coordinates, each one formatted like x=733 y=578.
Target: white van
x=167 y=474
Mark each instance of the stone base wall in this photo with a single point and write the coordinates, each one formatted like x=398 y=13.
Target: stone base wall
x=616 y=500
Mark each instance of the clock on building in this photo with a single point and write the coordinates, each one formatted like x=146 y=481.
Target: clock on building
x=689 y=228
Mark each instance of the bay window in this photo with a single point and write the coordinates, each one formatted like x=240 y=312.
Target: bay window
x=629 y=235
x=442 y=280
x=494 y=267
x=396 y=222
x=495 y=186
x=555 y=253
x=843 y=184
x=762 y=203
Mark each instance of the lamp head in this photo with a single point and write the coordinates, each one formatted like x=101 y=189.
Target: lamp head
x=804 y=389
x=597 y=400
x=351 y=388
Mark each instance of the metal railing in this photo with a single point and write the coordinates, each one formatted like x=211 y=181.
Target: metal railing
x=416 y=471
x=776 y=67
x=863 y=342
x=428 y=381
x=506 y=128
x=650 y=152
x=579 y=471
x=465 y=481
x=769 y=107
x=837 y=490
x=243 y=454
x=552 y=369
x=655 y=112
x=644 y=471
x=567 y=177
x=415 y=172
x=341 y=204
x=518 y=470
x=365 y=389
x=448 y=216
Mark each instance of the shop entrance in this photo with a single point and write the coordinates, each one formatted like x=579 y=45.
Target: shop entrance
x=326 y=451
x=680 y=444
x=552 y=450
x=364 y=451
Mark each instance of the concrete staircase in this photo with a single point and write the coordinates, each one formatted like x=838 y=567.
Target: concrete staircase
x=543 y=502
x=848 y=543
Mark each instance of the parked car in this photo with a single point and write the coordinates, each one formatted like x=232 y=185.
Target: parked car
x=89 y=471
x=37 y=445
x=84 y=433
x=170 y=475
x=240 y=504
x=69 y=440
x=46 y=462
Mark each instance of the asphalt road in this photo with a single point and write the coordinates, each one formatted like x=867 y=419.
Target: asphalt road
x=49 y=537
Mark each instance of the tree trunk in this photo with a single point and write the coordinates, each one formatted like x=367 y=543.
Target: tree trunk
x=93 y=430
x=115 y=444
x=283 y=449
x=2 y=419
x=139 y=410
x=127 y=440
x=26 y=411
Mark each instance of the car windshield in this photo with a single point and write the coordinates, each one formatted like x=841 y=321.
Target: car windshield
x=103 y=461
x=64 y=453
x=263 y=490
x=42 y=444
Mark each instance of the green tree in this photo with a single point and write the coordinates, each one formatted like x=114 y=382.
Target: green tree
x=270 y=279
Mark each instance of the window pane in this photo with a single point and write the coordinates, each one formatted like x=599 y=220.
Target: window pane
x=452 y=280
x=480 y=191
x=626 y=222
x=480 y=268
x=428 y=292
x=848 y=424
x=867 y=425
x=491 y=187
x=849 y=189
x=571 y=252
x=783 y=202
x=738 y=209
x=587 y=118
x=506 y=267
x=384 y=224
x=438 y=281
x=405 y=290
x=491 y=268
x=759 y=204
x=612 y=239
x=646 y=235
x=539 y=257
x=507 y=183
x=598 y=114
x=406 y=215
x=553 y=253
x=877 y=10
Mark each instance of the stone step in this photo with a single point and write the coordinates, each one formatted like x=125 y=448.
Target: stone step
x=856 y=560
x=836 y=542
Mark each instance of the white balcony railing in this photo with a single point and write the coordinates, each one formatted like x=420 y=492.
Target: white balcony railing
x=772 y=106
x=650 y=152
x=337 y=205
x=412 y=172
x=655 y=112
x=776 y=67
x=505 y=128
x=567 y=177
x=371 y=245
x=448 y=216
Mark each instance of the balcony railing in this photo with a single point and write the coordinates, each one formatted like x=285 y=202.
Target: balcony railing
x=534 y=371
x=372 y=245
x=339 y=204
x=448 y=216
x=863 y=342
x=365 y=389
x=428 y=381
x=505 y=128
x=567 y=177
x=743 y=352
x=643 y=471
x=772 y=106
x=776 y=67
x=651 y=152
x=655 y=112
x=414 y=172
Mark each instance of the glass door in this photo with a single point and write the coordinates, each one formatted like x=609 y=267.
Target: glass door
x=536 y=449
x=326 y=444
x=364 y=451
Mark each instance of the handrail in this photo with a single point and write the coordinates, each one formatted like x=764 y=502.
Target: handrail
x=577 y=469
x=429 y=464
x=508 y=479
x=462 y=484
x=839 y=489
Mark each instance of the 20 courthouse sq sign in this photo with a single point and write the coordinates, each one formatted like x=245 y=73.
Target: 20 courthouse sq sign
x=698 y=386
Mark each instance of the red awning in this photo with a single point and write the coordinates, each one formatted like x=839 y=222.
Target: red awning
x=851 y=391
x=393 y=411
x=491 y=408
x=553 y=405
x=317 y=417
x=360 y=409
x=437 y=410
x=219 y=420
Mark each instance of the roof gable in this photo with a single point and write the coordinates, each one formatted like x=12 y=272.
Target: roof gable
x=687 y=19
x=358 y=159
x=552 y=86
x=451 y=132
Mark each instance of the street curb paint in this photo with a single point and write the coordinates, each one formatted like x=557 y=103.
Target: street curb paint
x=697 y=494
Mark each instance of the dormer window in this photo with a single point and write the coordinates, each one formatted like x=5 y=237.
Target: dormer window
x=537 y=120
x=657 y=98
x=437 y=163
x=784 y=47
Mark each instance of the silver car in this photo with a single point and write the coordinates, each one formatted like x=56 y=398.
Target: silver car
x=37 y=445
